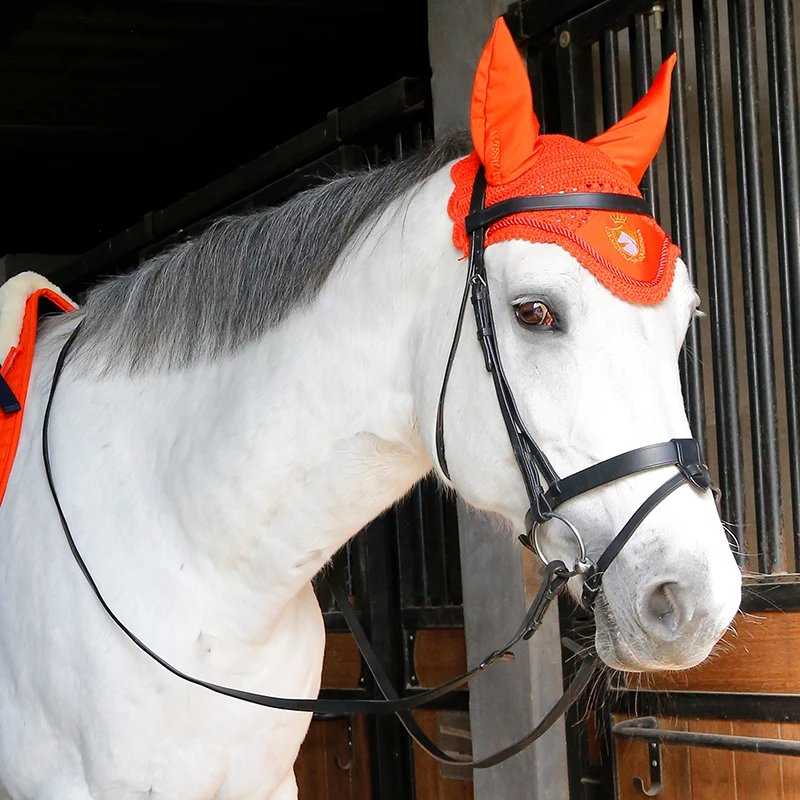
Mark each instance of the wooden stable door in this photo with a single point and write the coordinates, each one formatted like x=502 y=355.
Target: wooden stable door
x=335 y=759
x=700 y=774
x=751 y=687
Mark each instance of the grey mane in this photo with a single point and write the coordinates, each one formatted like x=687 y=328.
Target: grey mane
x=243 y=275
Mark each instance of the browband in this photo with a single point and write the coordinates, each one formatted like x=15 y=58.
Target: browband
x=584 y=201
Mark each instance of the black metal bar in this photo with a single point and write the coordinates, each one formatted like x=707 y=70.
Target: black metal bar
x=755 y=266
x=586 y=27
x=642 y=78
x=436 y=617
x=455 y=594
x=723 y=339
x=434 y=545
x=706 y=705
x=346 y=157
x=575 y=85
x=783 y=596
x=377 y=598
x=407 y=559
x=418 y=135
x=392 y=101
x=395 y=100
x=334 y=622
x=196 y=205
x=609 y=70
x=436 y=500
x=338 y=571
x=588 y=780
x=642 y=730
x=420 y=535
x=543 y=74
x=349 y=567
x=535 y=18
x=781 y=63
x=607 y=765
x=682 y=216
x=653 y=754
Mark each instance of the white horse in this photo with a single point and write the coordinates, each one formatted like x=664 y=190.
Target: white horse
x=239 y=407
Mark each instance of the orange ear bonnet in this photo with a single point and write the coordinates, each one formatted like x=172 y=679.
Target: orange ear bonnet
x=629 y=253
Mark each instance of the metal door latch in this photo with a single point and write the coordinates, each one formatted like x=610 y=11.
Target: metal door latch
x=646 y=729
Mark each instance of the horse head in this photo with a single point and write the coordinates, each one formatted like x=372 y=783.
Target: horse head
x=590 y=308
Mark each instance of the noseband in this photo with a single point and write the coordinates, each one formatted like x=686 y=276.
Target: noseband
x=548 y=492
x=544 y=500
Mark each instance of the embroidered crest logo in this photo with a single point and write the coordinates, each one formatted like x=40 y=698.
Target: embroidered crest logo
x=627 y=241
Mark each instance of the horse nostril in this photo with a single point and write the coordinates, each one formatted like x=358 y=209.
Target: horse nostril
x=665 y=611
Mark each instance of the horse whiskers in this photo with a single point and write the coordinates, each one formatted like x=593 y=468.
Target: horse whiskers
x=755 y=619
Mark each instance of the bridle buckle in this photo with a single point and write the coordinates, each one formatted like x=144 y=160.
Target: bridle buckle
x=698 y=475
x=690 y=463
x=591 y=586
x=539 y=512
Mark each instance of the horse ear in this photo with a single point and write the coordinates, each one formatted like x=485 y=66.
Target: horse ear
x=633 y=142
x=504 y=127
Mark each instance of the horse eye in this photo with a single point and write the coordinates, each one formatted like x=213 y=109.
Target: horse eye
x=535 y=314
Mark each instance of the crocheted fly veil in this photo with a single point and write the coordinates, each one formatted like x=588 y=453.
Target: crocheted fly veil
x=629 y=253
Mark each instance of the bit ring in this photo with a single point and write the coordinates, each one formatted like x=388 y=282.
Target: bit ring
x=582 y=564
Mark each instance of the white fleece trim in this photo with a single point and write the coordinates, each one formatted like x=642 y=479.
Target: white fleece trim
x=14 y=294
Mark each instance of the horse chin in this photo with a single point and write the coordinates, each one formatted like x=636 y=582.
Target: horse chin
x=632 y=653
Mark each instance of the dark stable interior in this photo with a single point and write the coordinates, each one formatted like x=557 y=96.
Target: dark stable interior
x=111 y=110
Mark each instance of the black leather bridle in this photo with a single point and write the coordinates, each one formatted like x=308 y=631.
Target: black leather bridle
x=682 y=453
x=532 y=462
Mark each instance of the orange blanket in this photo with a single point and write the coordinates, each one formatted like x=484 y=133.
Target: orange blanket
x=22 y=301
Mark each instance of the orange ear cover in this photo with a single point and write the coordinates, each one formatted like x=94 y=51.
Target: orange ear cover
x=504 y=127
x=633 y=142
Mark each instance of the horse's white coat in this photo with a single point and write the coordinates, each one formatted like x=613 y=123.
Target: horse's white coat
x=205 y=500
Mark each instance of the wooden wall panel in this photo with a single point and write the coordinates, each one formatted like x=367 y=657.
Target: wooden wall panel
x=713 y=776
x=790 y=767
x=318 y=771
x=758 y=775
x=703 y=774
x=341 y=668
x=759 y=658
x=632 y=762
x=429 y=781
x=756 y=659
x=439 y=655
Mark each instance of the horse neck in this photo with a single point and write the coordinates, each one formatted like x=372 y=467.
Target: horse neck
x=262 y=464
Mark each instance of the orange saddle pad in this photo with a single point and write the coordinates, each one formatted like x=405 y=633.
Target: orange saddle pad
x=23 y=299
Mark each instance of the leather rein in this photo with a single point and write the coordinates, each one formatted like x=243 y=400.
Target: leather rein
x=544 y=499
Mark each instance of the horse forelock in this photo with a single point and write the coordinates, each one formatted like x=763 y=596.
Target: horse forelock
x=243 y=275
